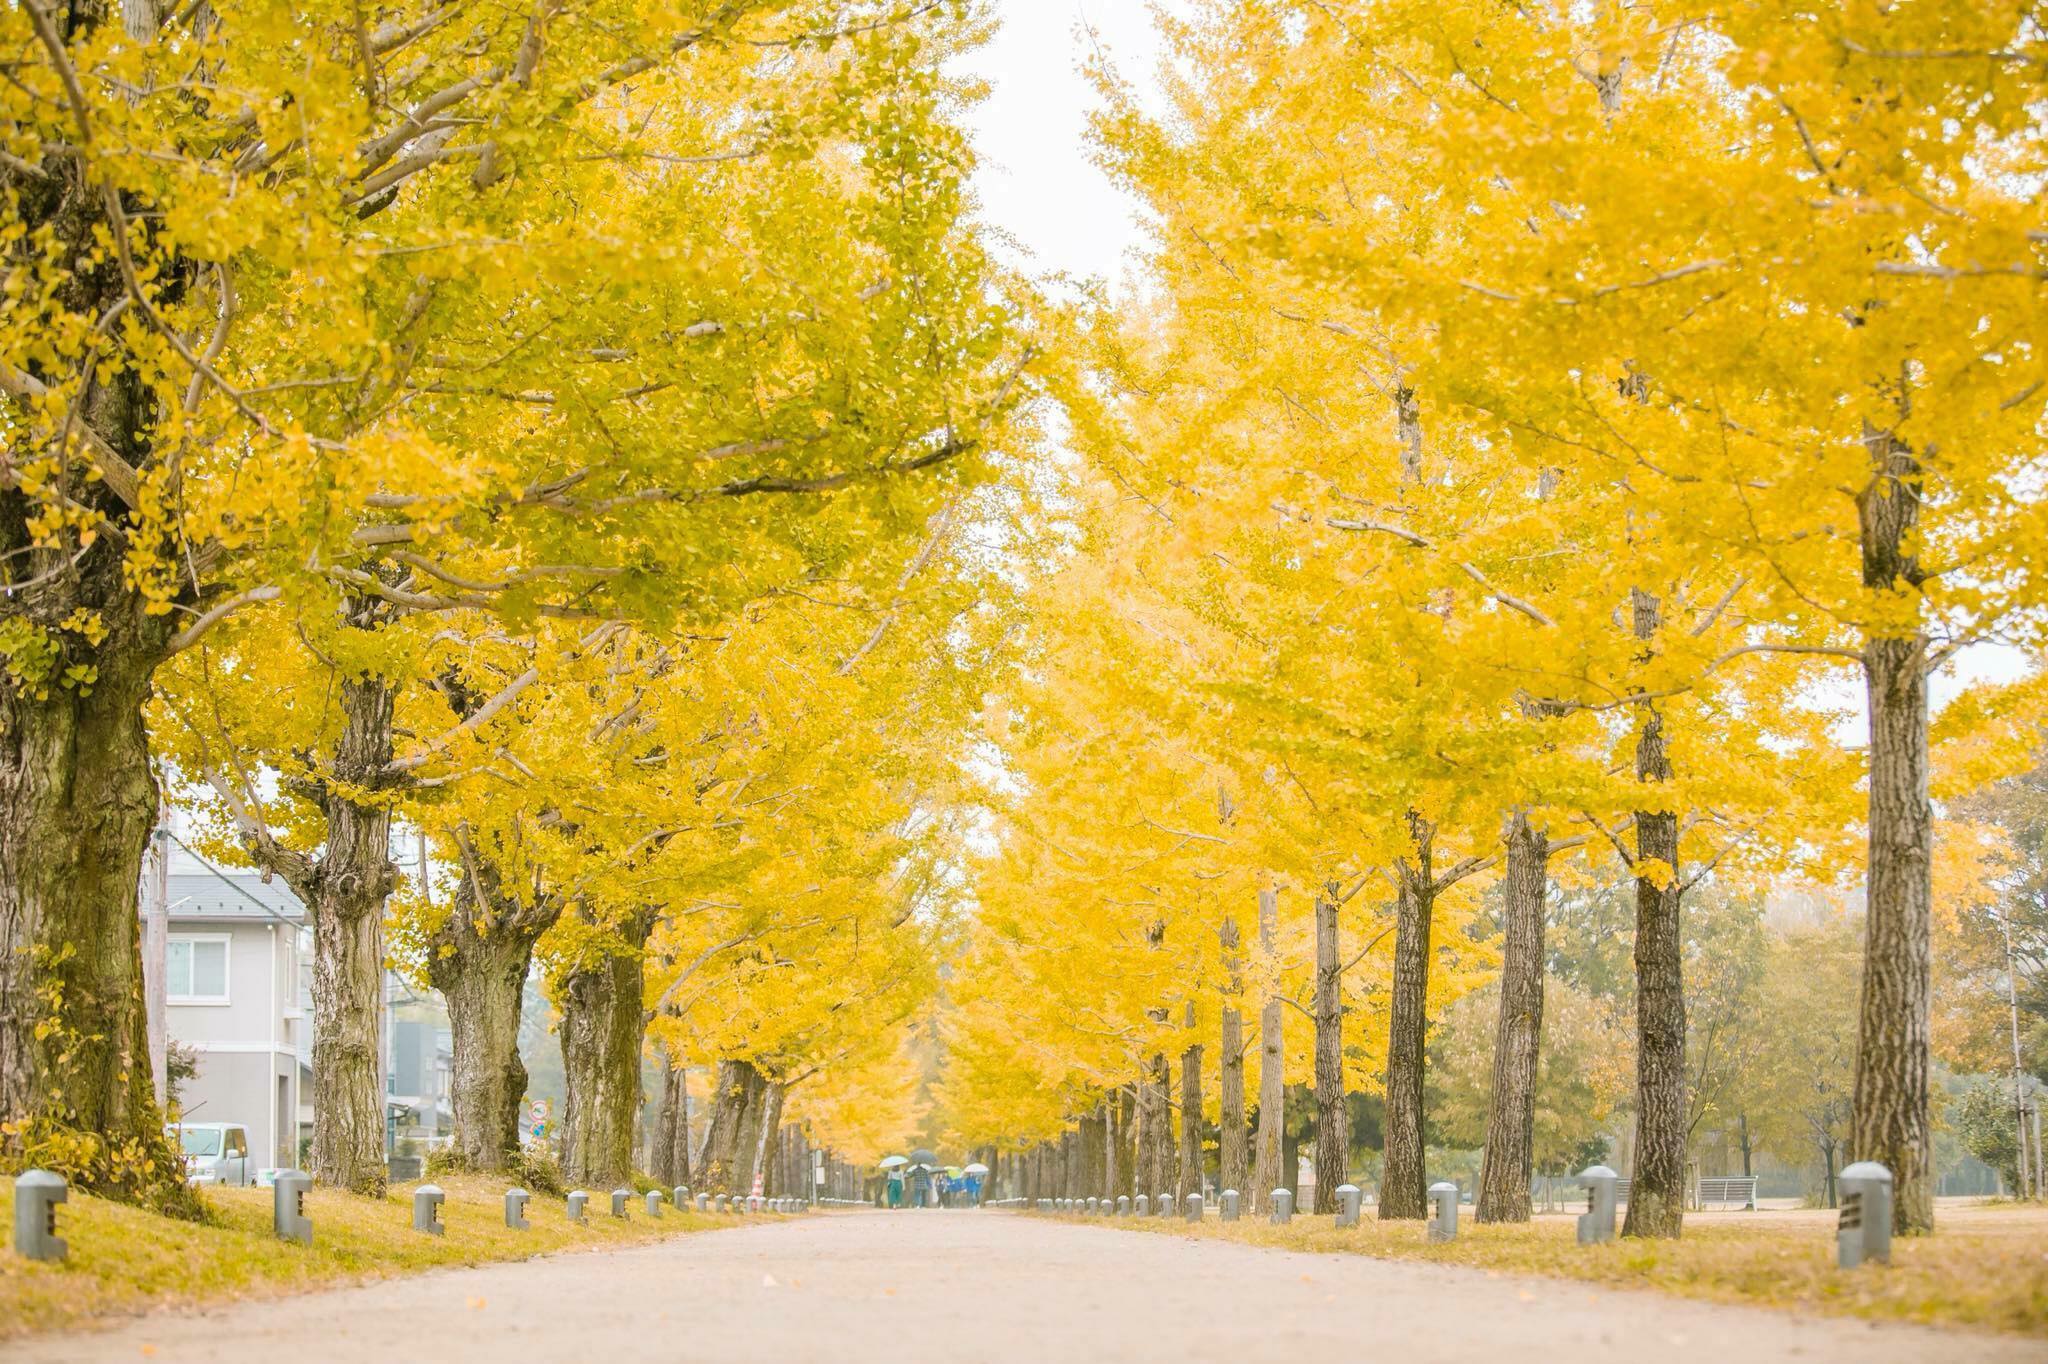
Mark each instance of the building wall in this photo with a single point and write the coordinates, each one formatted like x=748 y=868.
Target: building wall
x=249 y=1045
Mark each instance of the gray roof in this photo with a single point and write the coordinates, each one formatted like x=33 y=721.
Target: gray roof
x=231 y=895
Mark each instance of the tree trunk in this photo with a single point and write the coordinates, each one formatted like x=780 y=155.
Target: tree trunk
x=1889 y=1122
x=1509 y=1168
x=1112 y=1138
x=1190 y=1116
x=764 y=1141
x=77 y=802
x=1145 y=1171
x=1333 y=1117
x=77 y=796
x=1656 y=1201
x=1127 y=1141
x=603 y=1020
x=1742 y=1126
x=747 y=1142
x=669 y=1161
x=1403 y=1177
x=1272 y=1061
x=1232 y=1147
x=734 y=1082
x=345 y=891
x=1165 y=1157
x=479 y=960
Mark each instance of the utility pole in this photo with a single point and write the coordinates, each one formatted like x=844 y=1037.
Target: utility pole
x=156 y=936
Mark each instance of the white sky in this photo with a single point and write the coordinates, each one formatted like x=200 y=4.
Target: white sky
x=1036 y=180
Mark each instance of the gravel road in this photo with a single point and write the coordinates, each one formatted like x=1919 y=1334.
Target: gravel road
x=992 y=1288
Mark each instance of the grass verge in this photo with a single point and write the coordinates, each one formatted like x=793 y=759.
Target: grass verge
x=1985 y=1268
x=125 y=1261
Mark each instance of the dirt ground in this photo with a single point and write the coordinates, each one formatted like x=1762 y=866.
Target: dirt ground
x=993 y=1288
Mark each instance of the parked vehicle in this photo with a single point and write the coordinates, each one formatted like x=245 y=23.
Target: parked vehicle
x=215 y=1152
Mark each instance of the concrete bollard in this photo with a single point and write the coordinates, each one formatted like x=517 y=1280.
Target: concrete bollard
x=1232 y=1201
x=1123 y=1205
x=288 y=1220
x=1865 y=1229
x=756 y=1203
x=1045 y=1205
x=739 y=1207
x=1443 y=1198
x=654 y=1202
x=1349 y=1199
x=622 y=1200
x=1192 y=1209
x=680 y=1197
x=1144 y=1206
x=721 y=1203
x=36 y=1196
x=1283 y=1207
x=1094 y=1205
x=579 y=1208
x=1596 y=1224
x=426 y=1209
x=515 y=1209
x=1165 y=1204
x=703 y=1202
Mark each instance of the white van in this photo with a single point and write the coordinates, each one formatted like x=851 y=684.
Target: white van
x=215 y=1152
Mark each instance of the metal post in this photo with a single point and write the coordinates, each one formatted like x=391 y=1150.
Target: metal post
x=1283 y=1207
x=1232 y=1200
x=515 y=1209
x=1444 y=1226
x=426 y=1209
x=1596 y=1224
x=579 y=1207
x=1864 y=1231
x=36 y=1196
x=288 y=1207
x=1349 y=1199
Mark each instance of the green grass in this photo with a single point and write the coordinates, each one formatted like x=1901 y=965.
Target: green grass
x=124 y=1261
x=1986 y=1267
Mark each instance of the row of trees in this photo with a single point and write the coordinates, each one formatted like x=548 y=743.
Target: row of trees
x=1533 y=423
x=548 y=431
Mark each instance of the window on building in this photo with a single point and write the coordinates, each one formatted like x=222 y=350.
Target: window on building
x=196 y=970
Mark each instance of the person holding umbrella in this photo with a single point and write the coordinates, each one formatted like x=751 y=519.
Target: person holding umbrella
x=893 y=1167
x=970 y=1183
x=923 y=1165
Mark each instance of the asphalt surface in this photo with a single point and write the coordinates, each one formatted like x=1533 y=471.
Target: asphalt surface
x=993 y=1288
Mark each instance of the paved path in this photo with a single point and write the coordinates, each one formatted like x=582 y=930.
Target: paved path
x=993 y=1288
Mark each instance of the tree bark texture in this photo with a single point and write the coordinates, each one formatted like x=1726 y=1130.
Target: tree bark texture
x=1656 y=1203
x=1165 y=1156
x=1190 y=1181
x=1333 y=1117
x=1403 y=1176
x=1890 y=1121
x=1508 y=1171
x=479 y=960
x=1272 y=1063
x=1232 y=1143
x=603 y=1020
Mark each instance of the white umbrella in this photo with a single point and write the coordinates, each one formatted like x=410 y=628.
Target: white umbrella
x=977 y=1169
x=891 y=1162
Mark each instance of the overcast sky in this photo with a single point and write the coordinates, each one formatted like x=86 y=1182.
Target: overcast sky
x=1036 y=180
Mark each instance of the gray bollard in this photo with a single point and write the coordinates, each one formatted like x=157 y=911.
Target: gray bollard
x=287 y=1207
x=1123 y=1205
x=1443 y=1197
x=579 y=1208
x=680 y=1197
x=1192 y=1210
x=515 y=1209
x=703 y=1202
x=288 y=1218
x=654 y=1202
x=1045 y=1205
x=1349 y=1199
x=426 y=1209
x=1094 y=1206
x=1596 y=1224
x=1283 y=1207
x=1165 y=1204
x=739 y=1207
x=1865 y=1229
x=36 y=1196
x=1144 y=1206
x=1232 y=1200
x=622 y=1199
x=722 y=1204
x=756 y=1203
